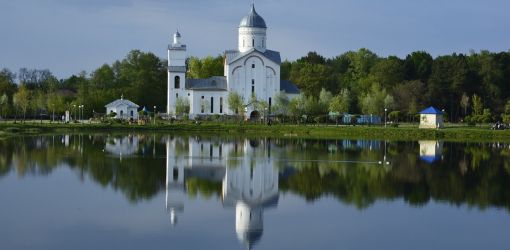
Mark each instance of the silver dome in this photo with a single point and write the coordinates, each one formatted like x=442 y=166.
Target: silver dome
x=253 y=20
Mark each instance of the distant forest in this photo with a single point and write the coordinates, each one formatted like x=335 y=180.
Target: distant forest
x=474 y=86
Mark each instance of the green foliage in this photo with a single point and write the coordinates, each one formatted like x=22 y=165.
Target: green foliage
x=447 y=82
x=21 y=100
x=235 y=103
x=477 y=105
x=394 y=116
x=206 y=67
x=182 y=106
x=375 y=101
x=281 y=104
x=340 y=103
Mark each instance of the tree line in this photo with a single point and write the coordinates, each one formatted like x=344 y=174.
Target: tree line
x=468 y=87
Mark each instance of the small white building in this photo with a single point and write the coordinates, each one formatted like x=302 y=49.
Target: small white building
x=431 y=118
x=125 y=109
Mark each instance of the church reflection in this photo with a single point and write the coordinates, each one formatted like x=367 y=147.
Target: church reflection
x=245 y=169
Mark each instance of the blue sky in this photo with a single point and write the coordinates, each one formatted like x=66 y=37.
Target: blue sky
x=68 y=36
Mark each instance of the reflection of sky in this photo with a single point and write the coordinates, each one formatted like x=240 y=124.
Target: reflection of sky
x=60 y=212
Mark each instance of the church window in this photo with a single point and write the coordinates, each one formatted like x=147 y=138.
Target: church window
x=132 y=113
x=176 y=95
x=269 y=108
x=177 y=82
x=210 y=151
x=212 y=105
x=253 y=66
x=253 y=86
x=188 y=94
x=202 y=108
x=221 y=105
x=243 y=43
x=253 y=42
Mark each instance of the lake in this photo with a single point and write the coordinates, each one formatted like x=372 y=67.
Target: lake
x=155 y=191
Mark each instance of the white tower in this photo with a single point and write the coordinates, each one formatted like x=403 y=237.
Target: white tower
x=176 y=71
x=252 y=32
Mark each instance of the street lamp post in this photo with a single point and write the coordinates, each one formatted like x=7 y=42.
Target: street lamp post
x=154 y=114
x=385 y=110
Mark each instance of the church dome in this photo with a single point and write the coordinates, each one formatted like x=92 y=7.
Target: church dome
x=253 y=20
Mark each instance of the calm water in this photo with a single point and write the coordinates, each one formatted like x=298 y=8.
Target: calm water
x=146 y=191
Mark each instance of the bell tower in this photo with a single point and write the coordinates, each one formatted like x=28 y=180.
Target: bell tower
x=176 y=72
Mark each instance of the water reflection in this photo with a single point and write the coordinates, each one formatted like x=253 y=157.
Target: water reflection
x=245 y=169
x=249 y=174
x=431 y=151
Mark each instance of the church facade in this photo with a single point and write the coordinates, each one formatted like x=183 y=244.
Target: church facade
x=252 y=71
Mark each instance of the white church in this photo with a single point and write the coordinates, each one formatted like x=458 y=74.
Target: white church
x=250 y=70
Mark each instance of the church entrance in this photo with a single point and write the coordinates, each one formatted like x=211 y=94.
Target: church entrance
x=254 y=116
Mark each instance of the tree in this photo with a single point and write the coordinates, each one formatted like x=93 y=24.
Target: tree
x=21 y=100
x=325 y=98
x=4 y=102
x=235 y=103
x=477 y=105
x=205 y=67
x=55 y=104
x=182 y=106
x=464 y=102
x=297 y=106
x=389 y=102
x=394 y=116
x=340 y=103
x=374 y=101
x=281 y=104
x=418 y=66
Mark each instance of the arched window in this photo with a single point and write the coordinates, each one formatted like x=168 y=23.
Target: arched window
x=177 y=82
x=253 y=42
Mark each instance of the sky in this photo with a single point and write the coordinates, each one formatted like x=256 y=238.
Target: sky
x=69 y=36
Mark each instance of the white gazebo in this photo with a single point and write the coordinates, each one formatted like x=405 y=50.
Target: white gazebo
x=431 y=118
x=123 y=108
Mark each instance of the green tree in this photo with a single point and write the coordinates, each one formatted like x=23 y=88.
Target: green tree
x=235 y=103
x=182 y=106
x=205 y=67
x=464 y=103
x=4 y=102
x=374 y=101
x=281 y=104
x=418 y=66
x=21 y=100
x=477 y=105
x=297 y=107
x=341 y=102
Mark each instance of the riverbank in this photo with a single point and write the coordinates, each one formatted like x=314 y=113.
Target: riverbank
x=451 y=133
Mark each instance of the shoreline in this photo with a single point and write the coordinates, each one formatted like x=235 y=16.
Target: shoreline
x=453 y=133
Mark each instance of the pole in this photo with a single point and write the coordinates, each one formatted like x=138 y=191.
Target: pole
x=385 y=110
x=154 y=115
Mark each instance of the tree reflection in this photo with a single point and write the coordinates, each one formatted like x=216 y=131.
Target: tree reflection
x=473 y=174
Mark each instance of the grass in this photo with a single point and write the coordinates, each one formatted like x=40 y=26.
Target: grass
x=453 y=132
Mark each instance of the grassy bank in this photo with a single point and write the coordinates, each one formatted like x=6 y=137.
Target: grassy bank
x=451 y=133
